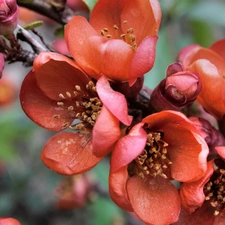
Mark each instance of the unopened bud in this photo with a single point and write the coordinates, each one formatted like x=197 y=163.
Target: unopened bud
x=179 y=89
x=9 y=12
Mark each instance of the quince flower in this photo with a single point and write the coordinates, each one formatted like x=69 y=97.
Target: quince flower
x=57 y=93
x=165 y=146
x=9 y=221
x=119 y=41
x=209 y=64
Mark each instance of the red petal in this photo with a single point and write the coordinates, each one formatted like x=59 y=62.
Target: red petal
x=69 y=153
x=117 y=188
x=59 y=77
x=192 y=195
x=9 y=221
x=105 y=133
x=40 y=108
x=155 y=200
x=144 y=58
x=128 y=147
x=77 y=31
x=221 y=151
x=113 y=100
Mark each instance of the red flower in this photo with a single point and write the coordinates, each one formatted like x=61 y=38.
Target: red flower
x=206 y=195
x=54 y=94
x=9 y=221
x=209 y=64
x=119 y=41
x=164 y=147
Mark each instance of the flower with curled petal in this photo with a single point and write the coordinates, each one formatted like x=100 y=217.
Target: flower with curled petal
x=119 y=41
x=165 y=146
x=57 y=95
x=209 y=64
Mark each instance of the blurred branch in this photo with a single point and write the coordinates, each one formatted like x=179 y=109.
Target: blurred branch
x=55 y=10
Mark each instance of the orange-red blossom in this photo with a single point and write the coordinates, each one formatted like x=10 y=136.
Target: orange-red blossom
x=165 y=146
x=119 y=41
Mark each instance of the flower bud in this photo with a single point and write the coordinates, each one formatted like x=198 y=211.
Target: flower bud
x=9 y=12
x=179 y=89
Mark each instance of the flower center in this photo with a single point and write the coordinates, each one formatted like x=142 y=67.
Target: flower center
x=153 y=160
x=215 y=191
x=128 y=36
x=81 y=106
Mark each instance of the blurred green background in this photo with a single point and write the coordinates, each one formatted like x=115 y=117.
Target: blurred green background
x=27 y=187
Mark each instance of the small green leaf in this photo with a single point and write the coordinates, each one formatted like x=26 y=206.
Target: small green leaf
x=33 y=25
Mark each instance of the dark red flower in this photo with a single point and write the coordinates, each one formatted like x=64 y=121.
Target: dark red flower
x=164 y=147
x=57 y=95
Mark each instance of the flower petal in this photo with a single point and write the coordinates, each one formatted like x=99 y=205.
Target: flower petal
x=40 y=108
x=105 y=133
x=192 y=195
x=144 y=58
x=69 y=153
x=9 y=221
x=117 y=188
x=114 y=101
x=155 y=200
x=128 y=147
x=219 y=48
x=59 y=77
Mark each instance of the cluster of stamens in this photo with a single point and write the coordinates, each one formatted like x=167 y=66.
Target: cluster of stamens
x=154 y=159
x=128 y=37
x=89 y=106
x=215 y=191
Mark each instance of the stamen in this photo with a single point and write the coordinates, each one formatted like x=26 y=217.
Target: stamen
x=61 y=96
x=68 y=94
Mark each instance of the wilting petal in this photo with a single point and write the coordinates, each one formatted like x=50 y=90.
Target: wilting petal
x=192 y=195
x=105 y=133
x=128 y=147
x=69 y=153
x=156 y=201
x=117 y=188
x=9 y=221
x=40 y=108
x=114 y=101
x=143 y=59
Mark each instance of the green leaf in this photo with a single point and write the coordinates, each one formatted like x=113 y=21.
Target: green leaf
x=33 y=25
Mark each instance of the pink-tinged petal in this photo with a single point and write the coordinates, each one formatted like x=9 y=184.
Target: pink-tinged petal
x=219 y=220
x=219 y=48
x=212 y=82
x=59 y=77
x=117 y=188
x=155 y=200
x=128 y=147
x=202 y=216
x=77 y=31
x=39 y=108
x=144 y=58
x=221 y=151
x=9 y=221
x=105 y=133
x=192 y=195
x=114 y=101
x=69 y=153
x=44 y=57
